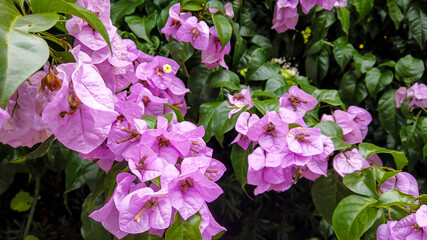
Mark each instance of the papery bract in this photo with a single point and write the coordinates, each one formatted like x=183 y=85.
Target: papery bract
x=213 y=55
x=349 y=162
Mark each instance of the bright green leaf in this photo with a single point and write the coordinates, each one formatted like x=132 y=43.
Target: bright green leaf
x=184 y=229
x=21 y=202
x=369 y=149
x=343 y=15
x=363 y=7
x=394 y=197
x=177 y=112
x=328 y=96
x=362 y=182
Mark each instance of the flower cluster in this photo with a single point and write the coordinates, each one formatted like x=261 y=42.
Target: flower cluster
x=413 y=226
x=184 y=27
x=417 y=92
x=286 y=11
x=97 y=106
x=286 y=148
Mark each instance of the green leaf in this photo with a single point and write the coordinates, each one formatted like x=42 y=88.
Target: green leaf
x=353 y=216
x=387 y=114
x=223 y=27
x=417 y=18
x=394 y=11
x=150 y=120
x=376 y=81
x=239 y=161
x=258 y=67
x=382 y=174
x=423 y=122
x=330 y=129
x=363 y=63
x=409 y=69
x=343 y=15
x=199 y=90
x=266 y=105
x=317 y=64
x=142 y=26
x=425 y=151
x=184 y=229
x=192 y=5
x=352 y=91
x=213 y=116
x=180 y=52
x=394 y=197
x=21 y=54
x=263 y=43
x=7 y=171
x=63 y=6
x=36 y=22
x=327 y=192
x=305 y=85
x=277 y=84
x=21 y=202
x=362 y=182
x=339 y=143
x=369 y=149
x=216 y=4
x=90 y=228
x=390 y=63
x=123 y=8
x=411 y=134
x=78 y=172
x=343 y=52
x=177 y=112
x=328 y=96
x=225 y=78
x=363 y=7
x=39 y=152
x=31 y=237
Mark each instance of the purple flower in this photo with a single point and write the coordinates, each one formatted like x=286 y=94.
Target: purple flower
x=287 y=3
x=240 y=100
x=209 y=227
x=195 y=32
x=349 y=162
x=352 y=132
x=340 y=3
x=4 y=115
x=375 y=160
x=175 y=20
x=244 y=122
x=404 y=182
x=298 y=100
x=400 y=96
x=406 y=228
x=190 y=189
x=213 y=56
x=362 y=118
x=284 y=18
x=102 y=155
x=229 y=10
x=306 y=142
x=144 y=209
x=270 y=132
x=326 y=4
x=420 y=95
x=143 y=97
x=82 y=111
x=143 y=162
x=421 y=217
x=307 y=5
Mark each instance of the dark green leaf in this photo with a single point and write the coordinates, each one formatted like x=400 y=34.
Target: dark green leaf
x=216 y=4
x=123 y=8
x=352 y=91
x=317 y=65
x=266 y=105
x=225 y=78
x=263 y=72
x=330 y=129
x=339 y=143
x=192 y=5
x=411 y=134
x=21 y=202
x=90 y=228
x=39 y=152
x=343 y=15
x=387 y=114
x=390 y=63
x=417 y=18
x=223 y=27
x=382 y=174
x=394 y=11
x=142 y=26
x=327 y=192
x=409 y=69
x=363 y=7
x=7 y=173
x=78 y=172
x=363 y=63
x=376 y=81
x=343 y=52
x=199 y=90
x=263 y=43
x=423 y=122
x=369 y=149
x=394 y=197
x=213 y=116
x=330 y=97
x=353 y=216
x=239 y=161
x=150 y=120
x=177 y=112
x=180 y=52
x=184 y=229
x=277 y=84
x=362 y=182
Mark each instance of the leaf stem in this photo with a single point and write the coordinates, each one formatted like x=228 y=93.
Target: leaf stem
x=33 y=208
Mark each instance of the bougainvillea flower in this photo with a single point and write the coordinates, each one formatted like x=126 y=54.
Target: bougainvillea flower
x=349 y=162
x=213 y=56
x=195 y=32
x=229 y=10
x=102 y=155
x=209 y=227
x=240 y=100
x=108 y=215
x=82 y=111
x=143 y=162
x=351 y=130
x=307 y=5
x=244 y=122
x=421 y=217
x=190 y=189
x=420 y=95
x=284 y=18
x=326 y=4
x=384 y=231
x=144 y=209
x=404 y=182
x=407 y=228
x=340 y=3
x=175 y=20
x=287 y=3
x=143 y=97
x=400 y=96
x=305 y=141
x=362 y=118
x=270 y=132
x=124 y=134
x=298 y=100
x=375 y=160
x=4 y=115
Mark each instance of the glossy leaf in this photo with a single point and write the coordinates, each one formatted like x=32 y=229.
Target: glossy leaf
x=142 y=26
x=36 y=22
x=328 y=96
x=382 y=174
x=330 y=129
x=353 y=216
x=277 y=84
x=184 y=229
x=376 y=81
x=343 y=15
x=362 y=182
x=122 y=8
x=317 y=64
x=225 y=78
x=411 y=134
x=213 y=116
x=409 y=69
x=387 y=114
x=343 y=52
x=177 y=112
x=239 y=161
x=327 y=192
x=223 y=28
x=352 y=91
x=395 y=13
x=394 y=197
x=39 y=152
x=363 y=7
x=180 y=52
x=363 y=63
x=417 y=18
x=369 y=149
